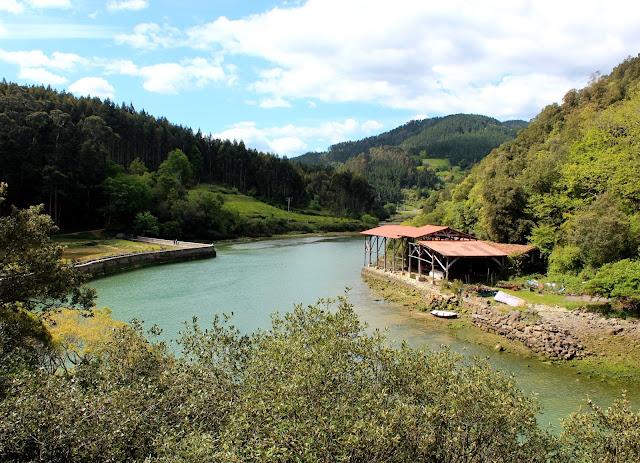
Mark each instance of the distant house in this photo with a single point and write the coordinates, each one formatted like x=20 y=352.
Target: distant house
x=436 y=251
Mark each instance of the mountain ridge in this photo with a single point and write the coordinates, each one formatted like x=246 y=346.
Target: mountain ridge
x=469 y=136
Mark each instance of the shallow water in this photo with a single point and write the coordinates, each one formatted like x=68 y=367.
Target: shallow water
x=253 y=280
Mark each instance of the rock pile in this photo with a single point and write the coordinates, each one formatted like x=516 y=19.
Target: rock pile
x=545 y=338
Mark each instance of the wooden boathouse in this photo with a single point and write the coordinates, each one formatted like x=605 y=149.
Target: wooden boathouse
x=435 y=251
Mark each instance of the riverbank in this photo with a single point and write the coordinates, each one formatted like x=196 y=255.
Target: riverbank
x=170 y=251
x=595 y=346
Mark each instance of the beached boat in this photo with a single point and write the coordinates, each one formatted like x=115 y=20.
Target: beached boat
x=444 y=314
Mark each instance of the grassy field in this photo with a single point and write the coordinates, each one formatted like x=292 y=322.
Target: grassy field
x=550 y=299
x=92 y=245
x=435 y=163
x=254 y=209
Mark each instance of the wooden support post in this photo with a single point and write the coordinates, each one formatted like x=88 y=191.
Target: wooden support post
x=385 y=253
x=370 y=249
x=365 y=252
x=394 y=255
x=433 y=270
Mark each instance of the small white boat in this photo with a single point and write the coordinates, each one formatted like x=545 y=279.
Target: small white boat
x=444 y=314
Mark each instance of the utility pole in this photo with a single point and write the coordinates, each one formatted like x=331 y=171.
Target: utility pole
x=289 y=198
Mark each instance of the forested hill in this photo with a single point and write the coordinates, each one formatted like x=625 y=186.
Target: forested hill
x=59 y=150
x=461 y=138
x=569 y=183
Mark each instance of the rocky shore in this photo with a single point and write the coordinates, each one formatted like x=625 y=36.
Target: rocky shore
x=545 y=338
x=554 y=332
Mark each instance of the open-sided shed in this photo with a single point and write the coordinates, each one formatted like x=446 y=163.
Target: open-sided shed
x=435 y=250
x=442 y=255
x=401 y=236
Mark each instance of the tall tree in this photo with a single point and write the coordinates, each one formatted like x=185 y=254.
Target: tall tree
x=33 y=278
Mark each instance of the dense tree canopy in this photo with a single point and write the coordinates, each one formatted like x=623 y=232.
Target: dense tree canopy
x=314 y=387
x=463 y=139
x=72 y=155
x=79 y=386
x=568 y=182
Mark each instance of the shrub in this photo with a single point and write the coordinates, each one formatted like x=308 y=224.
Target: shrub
x=370 y=220
x=565 y=259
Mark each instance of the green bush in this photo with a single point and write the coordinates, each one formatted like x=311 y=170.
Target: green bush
x=566 y=259
x=620 y=281
x=314 y=387
x=370 y=220
x=609 y=435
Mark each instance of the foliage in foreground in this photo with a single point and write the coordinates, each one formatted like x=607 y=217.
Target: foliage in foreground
x=314 y=387
x=33 y=278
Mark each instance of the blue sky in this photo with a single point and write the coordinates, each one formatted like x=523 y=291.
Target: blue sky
x=294 y=76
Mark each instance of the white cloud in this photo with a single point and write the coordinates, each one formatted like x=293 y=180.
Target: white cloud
x=169 y=78
x=372 y=127
x=274 y=103
x=418 y=117
x=291 y=140
x=130 y=5
x=429 y=57
x=291 y=145
x=150 y=36
x=62 y=4
x=11 y=6
x=93 y=86
x=42 y=31
x=41 y=76
x=39 y=68
x=36 y=58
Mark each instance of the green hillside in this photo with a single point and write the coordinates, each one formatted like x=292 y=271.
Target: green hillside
x=461 y=138
x=95 y=164
x=569 y=183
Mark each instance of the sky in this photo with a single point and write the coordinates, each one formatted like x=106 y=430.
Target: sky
x=293 y=76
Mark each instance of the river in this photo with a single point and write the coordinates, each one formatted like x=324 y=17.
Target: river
x=254 y=279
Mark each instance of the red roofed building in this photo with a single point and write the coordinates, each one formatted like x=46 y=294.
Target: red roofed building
x=434 y=250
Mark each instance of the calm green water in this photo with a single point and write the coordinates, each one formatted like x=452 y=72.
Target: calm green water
x=253 y=280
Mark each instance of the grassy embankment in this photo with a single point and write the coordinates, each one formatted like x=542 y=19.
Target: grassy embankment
x=90 y=245
x=267 y=220
x=460 y=328
x=271 y=220
x=614 y=359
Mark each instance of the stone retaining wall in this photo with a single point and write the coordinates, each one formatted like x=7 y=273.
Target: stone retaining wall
x=106 y=265
x=544 y=338
x=425 y=287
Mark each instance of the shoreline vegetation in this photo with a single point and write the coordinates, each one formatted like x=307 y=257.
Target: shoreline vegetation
x=613 y=353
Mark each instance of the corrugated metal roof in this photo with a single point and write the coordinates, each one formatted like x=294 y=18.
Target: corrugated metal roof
x=389 y=231
x=463 y=248
x=425 y=230
x=512 y=249
x=400 y=231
